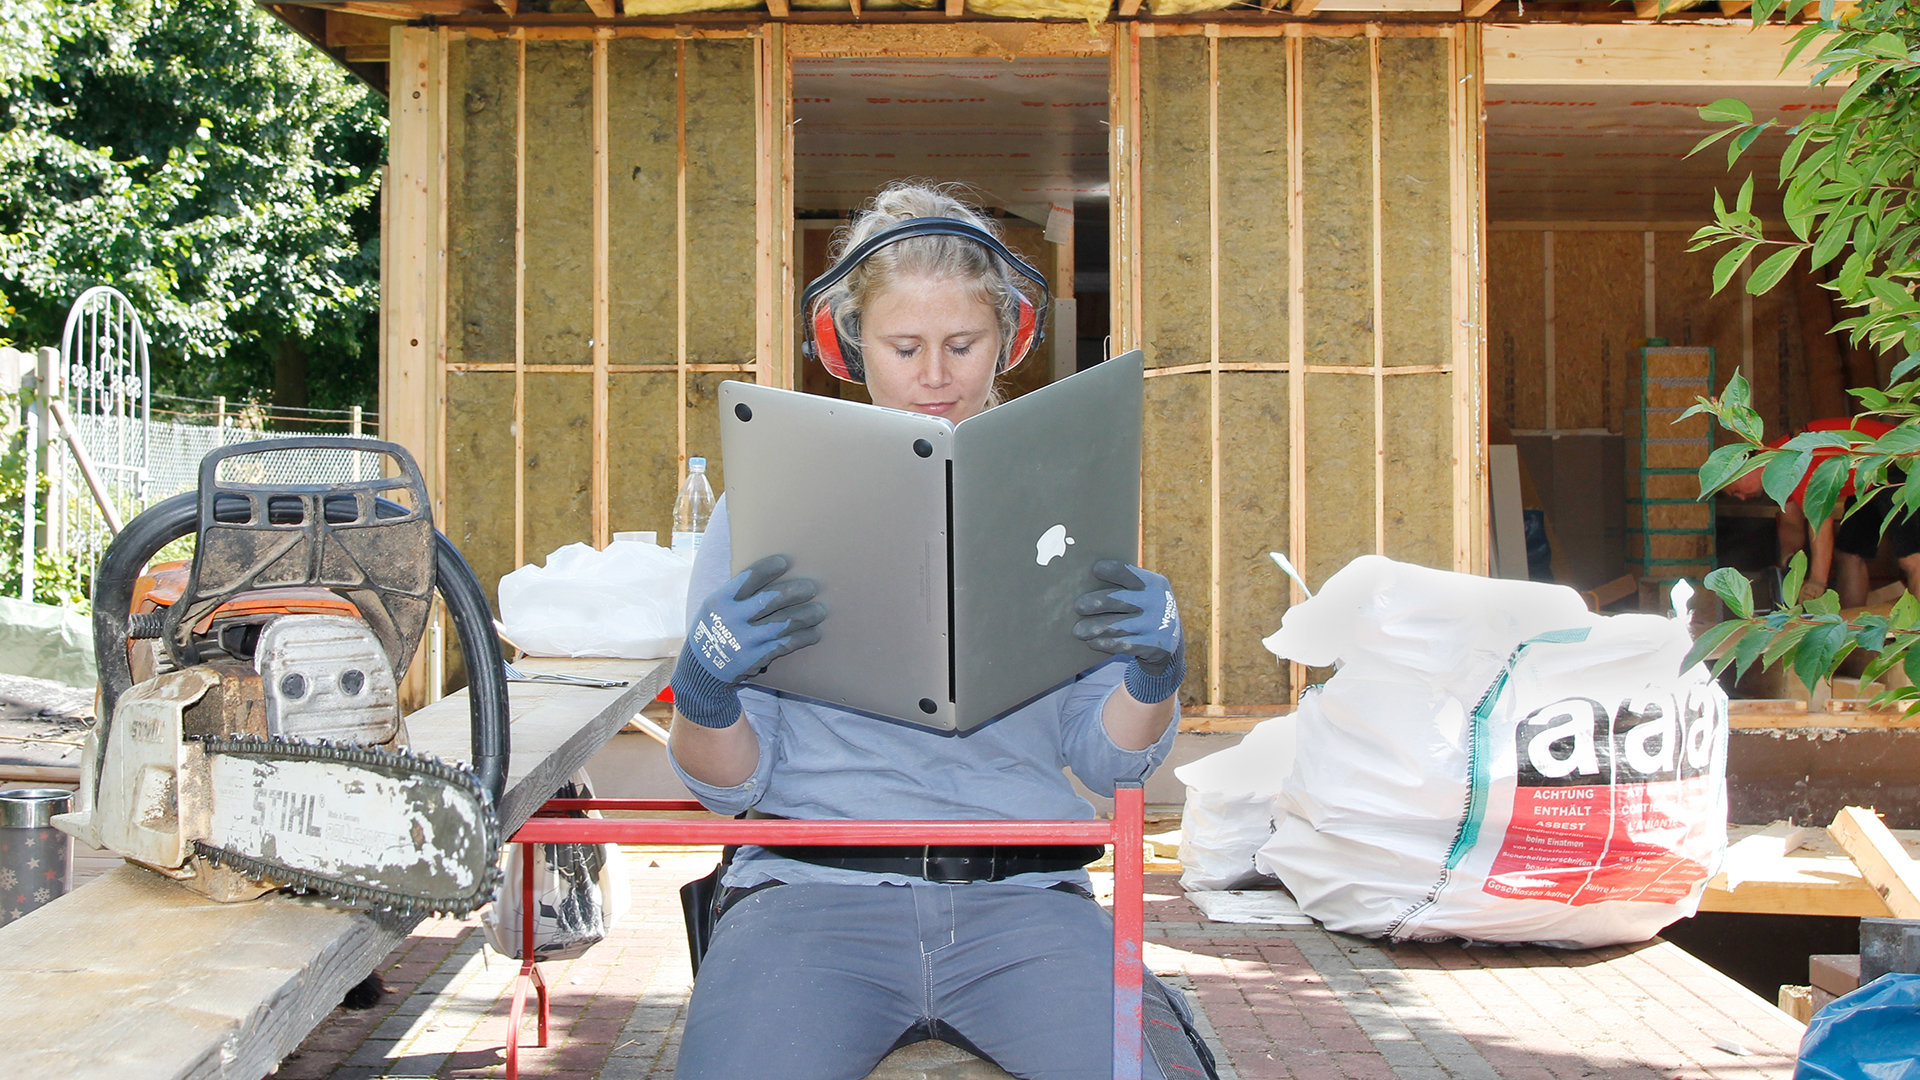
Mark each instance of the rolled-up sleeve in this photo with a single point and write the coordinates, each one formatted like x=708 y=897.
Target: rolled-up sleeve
x=1090 y=751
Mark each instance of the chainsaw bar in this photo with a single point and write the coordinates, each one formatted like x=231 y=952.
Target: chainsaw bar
x=369 y=828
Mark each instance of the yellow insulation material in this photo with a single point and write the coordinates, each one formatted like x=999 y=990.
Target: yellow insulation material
x=686 y=7
x=1092 y=11
x=1188 y=7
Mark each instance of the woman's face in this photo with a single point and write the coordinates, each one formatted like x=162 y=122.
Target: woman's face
x=930 y=346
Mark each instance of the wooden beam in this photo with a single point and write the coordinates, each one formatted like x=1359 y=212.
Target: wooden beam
x=602 y=8
x=778 y=9
x=345 y=28
x=1882 y=861
x=509 y=7
x=1694 y=54
x=1734 y=7
x=1304 y=7
x=1474 y=9
x=1783 y=869
x=854 y=6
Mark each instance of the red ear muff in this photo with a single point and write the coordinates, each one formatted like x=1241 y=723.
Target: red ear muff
x=843 y=358
x=826 y=347
x=1022 y=334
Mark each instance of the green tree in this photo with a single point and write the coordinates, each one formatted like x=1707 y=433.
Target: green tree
x=1848 y=182
x=211 y=165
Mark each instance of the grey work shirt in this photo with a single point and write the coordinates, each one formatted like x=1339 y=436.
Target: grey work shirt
x=821 y=762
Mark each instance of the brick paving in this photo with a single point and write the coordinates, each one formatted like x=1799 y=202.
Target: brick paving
x=1277 y=1003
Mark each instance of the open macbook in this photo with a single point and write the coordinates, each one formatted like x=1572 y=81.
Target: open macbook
x=948 y=556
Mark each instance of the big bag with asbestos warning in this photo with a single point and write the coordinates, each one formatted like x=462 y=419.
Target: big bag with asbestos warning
x=1492 y=761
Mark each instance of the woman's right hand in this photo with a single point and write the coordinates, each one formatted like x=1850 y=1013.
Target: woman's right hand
x=742 y=627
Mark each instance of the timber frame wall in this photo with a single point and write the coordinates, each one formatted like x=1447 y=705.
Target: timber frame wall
x=588 y=228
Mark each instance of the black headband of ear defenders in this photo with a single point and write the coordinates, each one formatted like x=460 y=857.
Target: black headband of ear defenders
x=924 y=226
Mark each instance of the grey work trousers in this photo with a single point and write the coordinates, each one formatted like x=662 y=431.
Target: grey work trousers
x=820 y=982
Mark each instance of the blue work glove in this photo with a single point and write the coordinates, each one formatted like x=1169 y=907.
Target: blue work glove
x=1137 y=618
x=741 y=628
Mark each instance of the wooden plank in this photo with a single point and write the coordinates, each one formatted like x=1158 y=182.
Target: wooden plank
x=598 y=480
x=1296 y=342
x=601 y=8
x=1474 y=9
x=1784 y=869
x=132 y=976
x=1885 y=865
x=1695 y=54
x=1215 y=621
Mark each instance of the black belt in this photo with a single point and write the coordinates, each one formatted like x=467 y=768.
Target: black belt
x=948 y=864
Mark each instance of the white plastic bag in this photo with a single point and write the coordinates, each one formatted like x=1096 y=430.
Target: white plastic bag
x=1229 y=808
x=580 y=891
x=629 y=600
x=1492 y=761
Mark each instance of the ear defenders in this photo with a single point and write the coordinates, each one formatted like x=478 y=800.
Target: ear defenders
x=842 y=358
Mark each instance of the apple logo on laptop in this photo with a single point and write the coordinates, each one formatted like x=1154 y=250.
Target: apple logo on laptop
x=1051 y=545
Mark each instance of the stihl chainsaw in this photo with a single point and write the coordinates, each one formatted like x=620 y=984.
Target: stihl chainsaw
x=250 y=735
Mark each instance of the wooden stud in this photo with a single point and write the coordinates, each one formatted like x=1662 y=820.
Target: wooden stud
x=600 y=485
x=1467 y=148
x=1304 y=7
x=1475 y=9
x=1136 y=287
x=437 y=484
x=778 y=9
x=1215 y=630
x=1881 y=859
x=786 y=291
x=680 y=249
x=601 y=8
x=941 y=38
x=854 y=6
x=1129 y=8
x=957 y=8
x=412 y=264
x=520 y=312
x=1296 y=341
x=510 y=7
x=1547 y=316
x=1379 y=305
x=343 y=29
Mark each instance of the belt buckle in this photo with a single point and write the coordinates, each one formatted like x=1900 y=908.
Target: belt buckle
x=957 y=869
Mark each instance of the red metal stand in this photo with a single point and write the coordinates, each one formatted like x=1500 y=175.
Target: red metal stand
x=1126 y=832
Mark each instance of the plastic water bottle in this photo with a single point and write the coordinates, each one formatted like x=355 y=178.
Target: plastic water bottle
x=691 y=509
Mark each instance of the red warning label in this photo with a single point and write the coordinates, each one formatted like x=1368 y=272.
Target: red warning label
x=1613 y=804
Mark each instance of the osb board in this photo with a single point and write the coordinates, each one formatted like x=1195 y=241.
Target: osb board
x=558 y=216
x=642 y=166
x=559 y=455
x=1677 y=362
x=1686 y=311
x=482 y=81
x=1175 y=504
x=1253 y=207
x=720 y=201
x=1336 y=103
x=1516 y=330
x=1174 y=218
x=1778 y=378
x=1416 y=205
x=1599 y=295
x=1340 y=494
x=1679 y=516
x=1253 y=522
x=1419 y=465
x=479 y=479
x=643 y=472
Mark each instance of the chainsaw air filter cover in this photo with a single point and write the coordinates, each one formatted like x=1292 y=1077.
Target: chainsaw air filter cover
x=327 y=677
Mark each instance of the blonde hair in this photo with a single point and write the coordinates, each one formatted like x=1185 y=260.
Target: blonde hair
x=953 y=257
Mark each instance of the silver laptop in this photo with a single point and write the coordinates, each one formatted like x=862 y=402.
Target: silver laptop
x=948 y=556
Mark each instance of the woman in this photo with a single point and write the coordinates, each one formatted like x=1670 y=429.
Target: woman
x=857 y=951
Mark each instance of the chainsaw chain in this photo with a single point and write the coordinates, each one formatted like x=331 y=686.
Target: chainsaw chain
x=353 y=893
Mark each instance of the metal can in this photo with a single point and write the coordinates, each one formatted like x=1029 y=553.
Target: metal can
x=36 y=859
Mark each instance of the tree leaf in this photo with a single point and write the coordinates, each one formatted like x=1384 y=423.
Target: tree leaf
x=1729 y=263
x=1817 y=652
x=1710 y=640
x=1722 y=467
x=1796 y=576
x=1771 y=270
x=1748 y=650
x=1823 y=490
x=1727 y=111
x=1783 y=474
x=1733 y=588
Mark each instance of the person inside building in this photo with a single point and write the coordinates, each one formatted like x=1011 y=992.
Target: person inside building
x=825 y=959
x=1840 y=552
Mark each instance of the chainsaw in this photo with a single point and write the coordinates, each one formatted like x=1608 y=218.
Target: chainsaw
x=250 y=735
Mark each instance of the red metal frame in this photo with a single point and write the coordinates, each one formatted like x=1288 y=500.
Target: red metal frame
x=1126 y=832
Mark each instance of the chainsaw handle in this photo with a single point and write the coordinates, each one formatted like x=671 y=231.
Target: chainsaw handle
x=170 y=519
